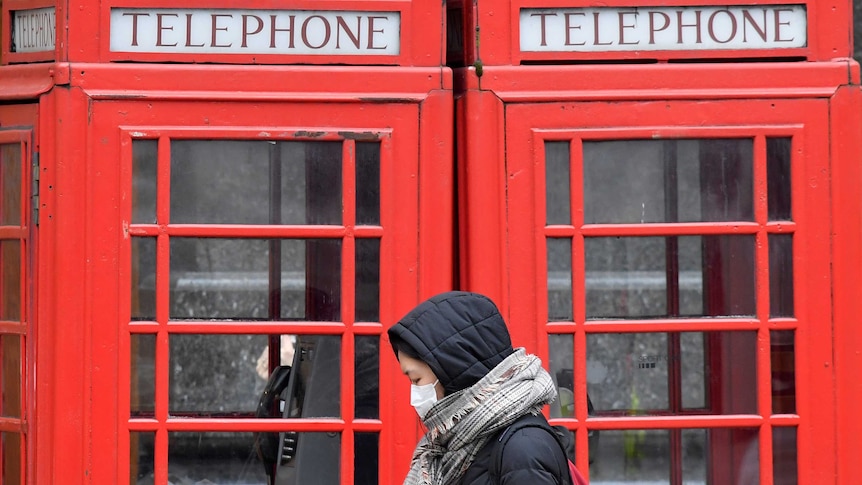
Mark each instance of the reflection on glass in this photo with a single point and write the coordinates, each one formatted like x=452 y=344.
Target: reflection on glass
x=10 y=177
x=367 y=280
x=214 y=458
x=559 y=279
x=144 y=169
x=693 y=370
x=783 y=358
x=643 y=181
x=10 y=297
x=557 y=198
x=367 y=379
x=11 y=459
x=214 y=374
x=143 y=278
x=143 y=375
x=215 y=278
x=639 y=456
x=365 y=458
x=367 y=183
x=141 y=458
x=638 y=277
x=694 y=461
x=222 y=375
x=561 y=366
x=247 y=182
x=784 y=456
x=10 y=346
x=781 y=275
x=635 y=373
x=625 y=277
x=631 y=456
x=778 y=178
x=748 y=471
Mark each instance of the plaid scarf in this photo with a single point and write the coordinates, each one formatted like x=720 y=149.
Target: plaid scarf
x=460 y=424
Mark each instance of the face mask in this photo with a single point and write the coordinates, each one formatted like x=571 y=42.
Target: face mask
x=423 y=397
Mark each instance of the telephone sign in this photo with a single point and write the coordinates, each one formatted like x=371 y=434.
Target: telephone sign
x=255 y=31
x=33 y=30
x=663 y=28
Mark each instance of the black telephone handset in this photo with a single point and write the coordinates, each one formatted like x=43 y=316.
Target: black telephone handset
x=272 y=447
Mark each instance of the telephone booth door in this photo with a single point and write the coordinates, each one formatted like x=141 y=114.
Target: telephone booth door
x=262 y=246
x=17 y=231
x=681 y=254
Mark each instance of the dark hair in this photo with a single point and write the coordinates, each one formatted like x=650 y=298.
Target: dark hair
x=399 y=345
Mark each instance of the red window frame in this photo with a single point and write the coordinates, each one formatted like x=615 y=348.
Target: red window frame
x=24 y=234
x=410 y=190
x=529 y=125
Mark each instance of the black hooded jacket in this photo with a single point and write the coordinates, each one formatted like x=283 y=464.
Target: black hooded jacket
x=462 y=336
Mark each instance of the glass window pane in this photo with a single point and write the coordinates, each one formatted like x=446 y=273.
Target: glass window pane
x=561 y=366
x=643 y=456
x=214 y=278
x=559 y=279
x=783 y=358
x=366 y=458
x=143 y=278
x=10 y=296
x=228 y=458
x=367 y=280
x=10 y=346
x=11 y=460
x=693 y=370
x=10 y=164
x=557 y=190
x=143 y=375
x=643 y=181
x=636 y=372
x=632 y=373
x=778 y=178
x=625 y=277
x=367 y=368
x=144 y=169
x=728 y=275
x=629 y=277
x=368 y=183
x=218 y=375
x=141 y=458
x=255 y=182
x=781 y=275
x=784 y=456
x=694 y=461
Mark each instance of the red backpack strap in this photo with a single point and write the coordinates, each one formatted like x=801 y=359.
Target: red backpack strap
x=577 y=478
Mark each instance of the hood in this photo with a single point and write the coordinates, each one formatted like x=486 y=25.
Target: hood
x=460 y=335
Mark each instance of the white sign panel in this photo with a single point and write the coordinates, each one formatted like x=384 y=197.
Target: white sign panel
x=663 y=28
x=294 y=32
x=34 y=30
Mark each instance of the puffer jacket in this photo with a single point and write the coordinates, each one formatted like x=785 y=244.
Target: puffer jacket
x=462 y=336
x=532 y=456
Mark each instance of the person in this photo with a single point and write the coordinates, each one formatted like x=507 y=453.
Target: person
x=468 y=385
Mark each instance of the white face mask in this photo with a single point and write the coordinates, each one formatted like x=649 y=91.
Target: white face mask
x=423 y=397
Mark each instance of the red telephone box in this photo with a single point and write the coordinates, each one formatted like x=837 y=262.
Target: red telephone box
x=660 y=185
x=233 y=204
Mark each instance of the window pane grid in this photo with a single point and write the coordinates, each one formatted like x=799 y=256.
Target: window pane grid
x=761 y=226
x=351 y=241
x=14 y=298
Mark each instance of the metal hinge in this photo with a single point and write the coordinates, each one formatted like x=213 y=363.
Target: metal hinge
x=34 y=189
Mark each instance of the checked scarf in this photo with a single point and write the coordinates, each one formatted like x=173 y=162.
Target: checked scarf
x=460 y=424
